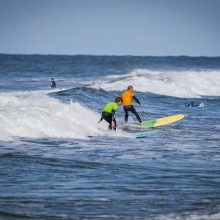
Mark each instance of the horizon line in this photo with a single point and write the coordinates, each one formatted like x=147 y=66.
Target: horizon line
x=104 y=55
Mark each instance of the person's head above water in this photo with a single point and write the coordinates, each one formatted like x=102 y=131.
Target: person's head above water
x=118 y=101
x=130 y=89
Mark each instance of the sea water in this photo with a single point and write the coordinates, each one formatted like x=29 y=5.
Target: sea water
x=57 y=162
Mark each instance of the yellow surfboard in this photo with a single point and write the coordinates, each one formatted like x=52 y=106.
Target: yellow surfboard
x=162 y=121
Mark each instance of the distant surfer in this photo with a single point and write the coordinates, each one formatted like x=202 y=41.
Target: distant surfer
x=127 y=97
x=195 y=104
x=108 y=113
x=53 y=83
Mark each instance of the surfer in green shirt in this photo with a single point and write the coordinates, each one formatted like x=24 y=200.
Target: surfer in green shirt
x=108 y=113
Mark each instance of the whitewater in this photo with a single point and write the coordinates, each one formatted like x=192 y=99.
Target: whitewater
x=182 y=84
x=57 y=162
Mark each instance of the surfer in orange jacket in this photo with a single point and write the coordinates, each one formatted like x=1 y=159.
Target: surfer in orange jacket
x=127 y=97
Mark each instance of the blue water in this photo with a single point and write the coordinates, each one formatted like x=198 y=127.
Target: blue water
x=57 y=162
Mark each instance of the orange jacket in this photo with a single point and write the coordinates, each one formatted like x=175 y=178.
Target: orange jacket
x=127 y=97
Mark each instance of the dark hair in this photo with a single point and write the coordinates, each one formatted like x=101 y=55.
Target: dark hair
x=118 y=99
x=130 y=87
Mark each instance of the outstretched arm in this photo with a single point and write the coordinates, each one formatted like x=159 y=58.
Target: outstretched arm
x=113 y=114
x=100 y=119
x=113 y=118
x=136 y=99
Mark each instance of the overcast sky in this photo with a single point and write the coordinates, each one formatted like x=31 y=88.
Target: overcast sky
x=110 y=27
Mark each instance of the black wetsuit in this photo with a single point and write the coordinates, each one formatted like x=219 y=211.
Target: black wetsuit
x=53 y=84
x=194 y=104
x=109 y=117
x=131 y=108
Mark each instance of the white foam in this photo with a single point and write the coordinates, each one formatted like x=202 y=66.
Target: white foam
x=37 y=115
x=188 y=217
x=184 y=84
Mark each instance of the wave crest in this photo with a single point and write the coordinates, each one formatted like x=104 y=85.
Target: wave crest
x=182 y=84
x=37 y=115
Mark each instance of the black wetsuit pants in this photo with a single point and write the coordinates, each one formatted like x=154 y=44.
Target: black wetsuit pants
x=133 y=110
x=108 y=117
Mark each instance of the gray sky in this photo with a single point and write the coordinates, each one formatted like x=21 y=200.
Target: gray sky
x=110 y=27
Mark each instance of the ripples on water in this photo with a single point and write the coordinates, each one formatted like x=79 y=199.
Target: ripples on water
x=171 y=175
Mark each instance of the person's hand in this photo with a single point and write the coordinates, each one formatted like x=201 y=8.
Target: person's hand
x=99 y=121
x=113 y=124
x=140 y=104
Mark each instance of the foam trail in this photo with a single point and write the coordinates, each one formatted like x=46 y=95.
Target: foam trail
x=183 y=84
x=36 y=115
x=188 y=216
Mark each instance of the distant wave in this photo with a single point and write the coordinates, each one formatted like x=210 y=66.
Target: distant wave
x=183 y=84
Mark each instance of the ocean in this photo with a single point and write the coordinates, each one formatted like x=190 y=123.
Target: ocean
x=58 y=163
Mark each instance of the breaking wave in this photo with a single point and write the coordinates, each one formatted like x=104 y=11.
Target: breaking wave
x=37 y=115
x=182 y=84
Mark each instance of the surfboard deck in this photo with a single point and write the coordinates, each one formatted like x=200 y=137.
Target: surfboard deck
x=161 y=121
x=143 y=134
